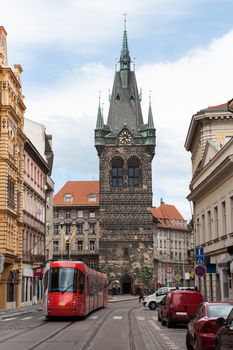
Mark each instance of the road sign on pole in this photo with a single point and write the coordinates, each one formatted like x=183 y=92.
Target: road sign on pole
x=200 y=270
x=199 y=255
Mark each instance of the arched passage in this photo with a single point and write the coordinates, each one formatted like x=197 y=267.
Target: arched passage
x=126 y=284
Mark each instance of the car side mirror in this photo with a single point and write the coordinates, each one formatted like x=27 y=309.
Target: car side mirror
x=220 y=321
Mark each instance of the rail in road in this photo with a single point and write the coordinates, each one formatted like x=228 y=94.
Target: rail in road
x=125 y=325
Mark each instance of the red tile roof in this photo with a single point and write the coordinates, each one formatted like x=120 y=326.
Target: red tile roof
x=80 y=191
x=221 y=107
x=169 y=217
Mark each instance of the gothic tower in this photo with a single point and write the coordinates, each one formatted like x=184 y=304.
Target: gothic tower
x=125 y=148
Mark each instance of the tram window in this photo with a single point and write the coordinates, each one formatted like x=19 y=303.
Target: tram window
x=81 y=282
x=63 y=279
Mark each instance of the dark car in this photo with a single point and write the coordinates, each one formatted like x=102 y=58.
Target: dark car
x=202 y=329
x=224 y=336
x=179 y=306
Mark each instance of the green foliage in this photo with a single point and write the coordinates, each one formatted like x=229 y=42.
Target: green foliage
x=110 y=278
x=145 y=274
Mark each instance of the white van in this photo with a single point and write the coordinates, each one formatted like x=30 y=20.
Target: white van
x=152 y=300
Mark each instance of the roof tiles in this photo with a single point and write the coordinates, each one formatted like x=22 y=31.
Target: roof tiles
x=80 y=191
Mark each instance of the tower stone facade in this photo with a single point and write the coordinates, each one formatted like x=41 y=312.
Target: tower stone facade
x=125 y=147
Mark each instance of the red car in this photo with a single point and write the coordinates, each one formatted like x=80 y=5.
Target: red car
x=179 y=306
x=202 y=329
x=224 y=336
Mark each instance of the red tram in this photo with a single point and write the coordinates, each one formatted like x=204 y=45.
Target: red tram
x=73 y=289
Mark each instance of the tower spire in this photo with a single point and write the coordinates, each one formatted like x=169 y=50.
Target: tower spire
x=150 y=123
x=125 y=57
x=100 y=119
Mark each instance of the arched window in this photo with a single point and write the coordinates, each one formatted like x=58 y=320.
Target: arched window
x=117 y=172
x=134 y=176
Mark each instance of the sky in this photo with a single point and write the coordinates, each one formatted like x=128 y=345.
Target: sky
x=183 y=52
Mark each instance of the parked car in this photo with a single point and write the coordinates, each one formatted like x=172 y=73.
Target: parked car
x=152 y=300
x=179 y=306
x=202 y=328
x=224 y=336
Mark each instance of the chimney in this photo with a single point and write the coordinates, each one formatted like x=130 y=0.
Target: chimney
x=3 y=47
x=161 y=201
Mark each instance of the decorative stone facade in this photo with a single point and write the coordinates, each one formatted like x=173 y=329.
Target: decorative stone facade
x=125 y=146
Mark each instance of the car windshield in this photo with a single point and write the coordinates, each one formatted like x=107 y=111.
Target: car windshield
x=218 y=310
x=62 y=279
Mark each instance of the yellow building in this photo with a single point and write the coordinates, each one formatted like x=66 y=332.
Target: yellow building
x=11 y=179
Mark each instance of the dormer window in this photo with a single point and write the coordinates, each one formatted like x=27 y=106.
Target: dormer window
x=91 y=197
x=68 y=198
x=118 y=96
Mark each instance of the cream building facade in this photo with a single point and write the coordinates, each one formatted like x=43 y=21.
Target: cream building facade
x=173 y=240
x=210 y=142
x=12 y=140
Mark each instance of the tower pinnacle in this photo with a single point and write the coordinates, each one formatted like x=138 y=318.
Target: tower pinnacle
x=125 y=57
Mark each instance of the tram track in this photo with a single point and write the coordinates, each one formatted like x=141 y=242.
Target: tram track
x=90 y=338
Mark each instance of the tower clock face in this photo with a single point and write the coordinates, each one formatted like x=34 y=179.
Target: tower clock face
x=125 y=137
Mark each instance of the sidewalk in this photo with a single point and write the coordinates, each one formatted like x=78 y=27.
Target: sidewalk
x=8 y=313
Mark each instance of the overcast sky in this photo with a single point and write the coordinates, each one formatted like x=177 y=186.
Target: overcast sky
x=184 y=55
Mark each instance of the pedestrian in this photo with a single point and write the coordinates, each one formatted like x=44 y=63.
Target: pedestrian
x=141 y=296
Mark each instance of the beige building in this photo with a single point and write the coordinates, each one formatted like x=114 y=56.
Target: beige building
x=210 y=142
x=173 y=239
x=11 y=180
x=76 y=222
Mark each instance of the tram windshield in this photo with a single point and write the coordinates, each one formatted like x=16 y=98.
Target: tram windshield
x=63 y=279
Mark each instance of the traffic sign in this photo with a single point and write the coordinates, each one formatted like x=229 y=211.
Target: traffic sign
x=199 y=255
x=168 y=270
x=200 y=270
x=178 y=277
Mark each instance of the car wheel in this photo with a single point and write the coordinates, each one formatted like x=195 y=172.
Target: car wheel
x=163 y=322
x=169 y=323
x=188 y=345
x=159 y=318
x=152 y=305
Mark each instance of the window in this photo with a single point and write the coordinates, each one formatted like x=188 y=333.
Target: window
x=80 y=246
x=10 y=193
x=126 y=252
x=68 y=229
x=203 y=227
x=67 y=214
x=117 y=172
x=209 y=224
x=223 y=218
x=55 y=246
x=56 y=229
x=231 y=212
x=92 y=229
x=92 y=214
x=56 y=214
x=134 y=172
x=68 y=198
x=80 y=214
x=80 y=229
x=91 y=197
x=92 y=263
x=92 y=245
x=216 y=222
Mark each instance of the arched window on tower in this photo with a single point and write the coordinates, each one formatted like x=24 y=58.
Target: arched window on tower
x=134 y=175
x=117 y=172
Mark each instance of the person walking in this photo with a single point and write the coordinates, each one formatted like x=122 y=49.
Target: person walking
x=141 y=296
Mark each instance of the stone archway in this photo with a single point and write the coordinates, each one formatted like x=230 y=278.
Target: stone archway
x=126 y=284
